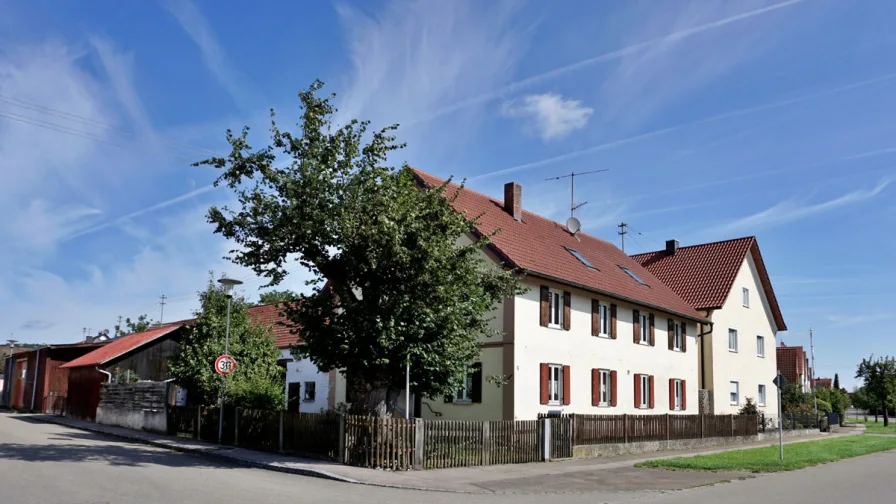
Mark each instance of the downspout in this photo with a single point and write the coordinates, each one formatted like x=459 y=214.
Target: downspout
x=703 y=353
x=108 y=374
x=36 y=376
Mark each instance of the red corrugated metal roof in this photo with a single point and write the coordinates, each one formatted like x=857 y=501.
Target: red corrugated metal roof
x=540 y=247
x=121 y=346
x=704 y=274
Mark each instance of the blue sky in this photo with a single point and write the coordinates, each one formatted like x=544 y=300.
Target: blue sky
x=716 y=119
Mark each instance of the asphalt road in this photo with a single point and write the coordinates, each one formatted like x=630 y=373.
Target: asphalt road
x=43 y=463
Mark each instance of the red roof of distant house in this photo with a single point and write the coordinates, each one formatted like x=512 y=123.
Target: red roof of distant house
x=269 y=315
x=541 y=247
x=704 y=274
x=824 y=383
x=122 y=345
x=791 y=362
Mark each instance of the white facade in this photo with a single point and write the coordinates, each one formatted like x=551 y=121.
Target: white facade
x=303 y=372
x=744 y=366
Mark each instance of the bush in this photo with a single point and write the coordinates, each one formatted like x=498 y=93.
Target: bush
x=749 y=408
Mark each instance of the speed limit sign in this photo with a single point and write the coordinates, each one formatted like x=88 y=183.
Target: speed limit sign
x=225 y=364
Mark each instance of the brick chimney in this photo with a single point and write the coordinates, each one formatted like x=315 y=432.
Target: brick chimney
x=513 y=200
x=671 y=247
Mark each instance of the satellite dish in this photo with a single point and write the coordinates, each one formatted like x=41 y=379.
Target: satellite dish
x=573 y=225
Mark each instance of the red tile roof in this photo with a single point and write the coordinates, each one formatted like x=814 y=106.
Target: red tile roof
x=704 y=274
x=539 y=247
x=269 y=315
x=122 y=345
x=824 y=383
x=791 y=362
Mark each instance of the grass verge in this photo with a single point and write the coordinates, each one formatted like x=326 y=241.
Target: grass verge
x=872 y=427
x=796 y=455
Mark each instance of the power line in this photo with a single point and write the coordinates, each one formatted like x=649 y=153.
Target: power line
x=645 y=236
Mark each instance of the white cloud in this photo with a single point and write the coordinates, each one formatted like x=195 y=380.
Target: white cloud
x=791 y=211
x=859 y=319
x=552 y=116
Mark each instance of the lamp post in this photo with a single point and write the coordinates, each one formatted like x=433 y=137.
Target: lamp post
x=228 y=284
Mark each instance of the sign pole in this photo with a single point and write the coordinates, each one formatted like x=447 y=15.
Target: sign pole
x=780 y=420
x=224 y=378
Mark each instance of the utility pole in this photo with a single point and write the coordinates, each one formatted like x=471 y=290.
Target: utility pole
x=161 y=308
x=118 y=327
x=814 y=394
x=622 y=232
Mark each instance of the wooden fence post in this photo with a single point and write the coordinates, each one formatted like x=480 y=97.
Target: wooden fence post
x=340 y=449
x=625 y=428
x=419 y=433
x=702 y=431
x=486 y=445
x=198 y=422
x=280 y=444
x=236 y=427
x=732 y=425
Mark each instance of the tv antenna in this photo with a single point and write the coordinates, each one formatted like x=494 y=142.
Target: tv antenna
x=573 y=224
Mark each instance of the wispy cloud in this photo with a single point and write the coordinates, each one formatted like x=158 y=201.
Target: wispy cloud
x=609 y=56
x=550 y=114
x=663 y=131
x=197 y=27
x=858 y=319
x=790 y=210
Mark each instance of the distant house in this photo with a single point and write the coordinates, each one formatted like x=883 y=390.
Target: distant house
x=824 y=383
x=37 y=380
x=794 y=365
x=728 y=283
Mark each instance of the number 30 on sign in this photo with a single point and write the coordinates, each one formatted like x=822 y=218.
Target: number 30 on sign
x=225 y=364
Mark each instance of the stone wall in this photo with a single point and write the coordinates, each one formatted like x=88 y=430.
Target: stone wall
x=140 y=406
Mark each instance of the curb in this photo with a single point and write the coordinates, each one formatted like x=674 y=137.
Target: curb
x=208 y=454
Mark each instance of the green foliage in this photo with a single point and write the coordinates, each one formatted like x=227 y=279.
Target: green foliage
x=277 y=296
x=124 y=376
x=749 y=408
x=794 y=400
x=879 y=376
x=836 y=381
x=401 y=287
x=141 y=324
x=796 y=455
x=837 y=400
x=257 y=382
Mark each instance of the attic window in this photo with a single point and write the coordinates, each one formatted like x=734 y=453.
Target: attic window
x=633 y=275
x=581 y=258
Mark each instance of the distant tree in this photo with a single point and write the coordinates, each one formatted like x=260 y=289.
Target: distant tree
x=749 y=408
x=879 y=376
x=402 y=289
x=142 y=323
x=836 y=381
x=257 y=382
x=277 y=296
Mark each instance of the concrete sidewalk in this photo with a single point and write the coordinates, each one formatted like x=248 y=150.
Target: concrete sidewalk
x=614 y=474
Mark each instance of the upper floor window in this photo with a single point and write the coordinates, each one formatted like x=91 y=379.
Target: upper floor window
x=677 y=343
x=645 y=329
x=746 y=297
x=760 y=346
x=732 y=340
x=603 y=313
x=555 y=317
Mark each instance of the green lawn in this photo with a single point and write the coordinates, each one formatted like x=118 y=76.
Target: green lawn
x=876 y=428
x=796 y=455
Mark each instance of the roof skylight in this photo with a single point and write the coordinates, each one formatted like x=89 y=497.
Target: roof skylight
x=633 y=275
x=581 y=258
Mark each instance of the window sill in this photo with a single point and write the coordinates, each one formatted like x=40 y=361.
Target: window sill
x=307 y=400
x=644 y=343
x=677 y=350
x=464 y=402
x=604 y=336
x=760 y=356
x=732 y=351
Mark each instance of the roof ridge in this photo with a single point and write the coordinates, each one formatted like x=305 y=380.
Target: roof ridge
x=751 y=237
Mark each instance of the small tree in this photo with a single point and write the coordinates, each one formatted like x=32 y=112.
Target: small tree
x=402 y=289
x=836 y=381
x=749 y=408
x=879 y=376
x=256 y=383
x=793 y=399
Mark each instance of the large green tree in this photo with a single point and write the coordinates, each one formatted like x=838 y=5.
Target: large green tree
x=140 y=324
x=879 y=376
x=256 y=383
x=401 y=288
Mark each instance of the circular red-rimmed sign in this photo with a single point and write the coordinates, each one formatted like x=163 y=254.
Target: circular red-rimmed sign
x=225 y=364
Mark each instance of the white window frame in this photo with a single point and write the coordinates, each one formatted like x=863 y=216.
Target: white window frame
x=746 y=297
x=644 y=337
x=677 y=390
x=760 y=394
x=305 y=391
x=732 y=331
x=555 y=384
x=605 y=377
x=603 y=320
x=760 y=346
x=735 y=392
x=677 y=338
x=645 y=392
x=464 y=395
x=555 y=307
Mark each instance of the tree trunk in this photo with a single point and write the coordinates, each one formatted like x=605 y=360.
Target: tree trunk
x=377 y=398
x=886 y=416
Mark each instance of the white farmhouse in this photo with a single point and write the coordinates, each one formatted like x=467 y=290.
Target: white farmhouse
x=728 y=282
x=596 y=332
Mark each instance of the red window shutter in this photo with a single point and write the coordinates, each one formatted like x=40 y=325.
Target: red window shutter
x=652 y=395
x=684 y=339
x=595 y=387
x=671 y=394
x=637 y=391
x=567 y=310
x=652 y=331
x=636 y=326
x=566 y=378
x=613 y=321
x=671 y=334
x=684 y=395
x=545 y=306
x=595 y=317
x=612 y=388
x=545 y=391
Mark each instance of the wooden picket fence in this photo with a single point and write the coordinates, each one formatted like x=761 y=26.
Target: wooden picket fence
x=612 y=429
x=381 y=443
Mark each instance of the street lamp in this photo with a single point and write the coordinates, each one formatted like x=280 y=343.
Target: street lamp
x=228 y=284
